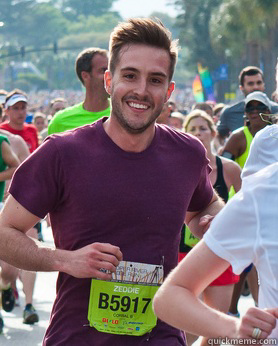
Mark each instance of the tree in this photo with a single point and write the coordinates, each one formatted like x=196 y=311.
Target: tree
x=11 y=13
x=33 y=33
x=248 y=30
x=87 y=7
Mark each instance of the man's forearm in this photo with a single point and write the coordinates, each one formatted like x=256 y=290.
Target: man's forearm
x=24 y=252
x=200 y=222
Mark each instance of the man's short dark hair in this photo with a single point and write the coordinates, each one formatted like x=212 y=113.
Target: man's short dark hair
x=142 y=31
x=84 y=60
x=249 y=71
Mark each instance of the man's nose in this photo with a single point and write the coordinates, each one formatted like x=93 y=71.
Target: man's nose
x=141 y=87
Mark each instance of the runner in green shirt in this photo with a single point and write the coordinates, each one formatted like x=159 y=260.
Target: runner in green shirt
x=90 y=66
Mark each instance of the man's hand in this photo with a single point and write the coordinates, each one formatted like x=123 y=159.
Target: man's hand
x=205 y=222
x=257 y=323
x=89 y=261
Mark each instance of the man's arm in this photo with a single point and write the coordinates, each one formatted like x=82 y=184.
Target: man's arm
x=20 y=147
x=23 y=252
x=199 y=221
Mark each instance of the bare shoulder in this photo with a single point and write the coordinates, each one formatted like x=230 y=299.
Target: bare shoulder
x=18 y=145
x=236 y=135
x=236 y=143
x=230 y=164
x=232 y=172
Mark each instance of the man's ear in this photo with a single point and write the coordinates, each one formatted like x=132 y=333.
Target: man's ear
x=171 y=88
x=85 y=75
x=108 y=81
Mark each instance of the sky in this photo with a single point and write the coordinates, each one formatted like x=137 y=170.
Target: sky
x=143 y=8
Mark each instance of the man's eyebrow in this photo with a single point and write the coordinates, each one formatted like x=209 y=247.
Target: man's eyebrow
x=133 y=69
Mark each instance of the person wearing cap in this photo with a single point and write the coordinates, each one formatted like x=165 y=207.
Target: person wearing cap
x=237 y=147
x=16 y=110
x=251 y=79
x=244 y=231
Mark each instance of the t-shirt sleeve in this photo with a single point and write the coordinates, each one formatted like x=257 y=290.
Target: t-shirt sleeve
x=233 y=232
x=203 y=192
x=36 y=184
x=4 y=138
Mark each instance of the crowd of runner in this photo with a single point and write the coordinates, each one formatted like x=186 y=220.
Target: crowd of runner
x=114 y=205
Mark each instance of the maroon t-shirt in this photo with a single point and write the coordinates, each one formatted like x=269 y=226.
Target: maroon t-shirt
x=96 y=192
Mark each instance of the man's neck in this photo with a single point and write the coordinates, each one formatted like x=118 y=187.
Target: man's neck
x=128 y=142
x=93 y=104
x=18 y=127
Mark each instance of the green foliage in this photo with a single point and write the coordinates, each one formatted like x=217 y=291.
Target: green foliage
x=32 y=80
x=209 y=31
x=85 y=40
x=167 y=21
x=236 y=23
x=88 y=7
x=45 y=25
x=94 y=24
x=194 y=22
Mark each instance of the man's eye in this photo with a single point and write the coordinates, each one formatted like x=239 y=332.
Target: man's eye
x=155 y=81
x=129 y=76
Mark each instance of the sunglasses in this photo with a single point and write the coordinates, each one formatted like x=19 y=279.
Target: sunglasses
x=259 y=108
x=269 y=118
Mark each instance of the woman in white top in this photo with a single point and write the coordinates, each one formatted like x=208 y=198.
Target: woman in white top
x=244 y=232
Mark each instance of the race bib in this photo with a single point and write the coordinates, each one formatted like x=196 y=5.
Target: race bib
x=124 y=304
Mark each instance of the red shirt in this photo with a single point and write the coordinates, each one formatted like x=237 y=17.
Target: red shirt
x=28 y=133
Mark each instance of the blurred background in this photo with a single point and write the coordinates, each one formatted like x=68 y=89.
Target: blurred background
x=40 y=39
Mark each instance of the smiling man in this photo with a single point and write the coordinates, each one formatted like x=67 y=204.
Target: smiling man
x=118 y=192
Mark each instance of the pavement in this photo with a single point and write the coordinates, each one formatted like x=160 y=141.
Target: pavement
x=16 y=333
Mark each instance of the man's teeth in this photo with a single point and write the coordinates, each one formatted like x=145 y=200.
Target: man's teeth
x=137 y=105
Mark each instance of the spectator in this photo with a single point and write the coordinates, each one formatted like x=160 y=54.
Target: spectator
x=204 y=107
x=163 y=118
x=176 y=120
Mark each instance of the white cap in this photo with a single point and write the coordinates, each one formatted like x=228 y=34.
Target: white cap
x=258 y=96
x=263 y=150
x=14 y=99
x=2 y=98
